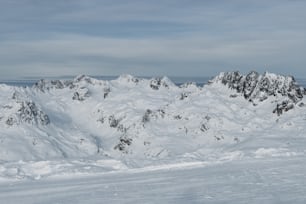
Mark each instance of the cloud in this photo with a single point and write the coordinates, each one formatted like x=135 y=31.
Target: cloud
x=66 y=54
x=142 y=37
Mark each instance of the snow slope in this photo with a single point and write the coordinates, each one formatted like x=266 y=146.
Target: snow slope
x=271 y=180
x=85 y=125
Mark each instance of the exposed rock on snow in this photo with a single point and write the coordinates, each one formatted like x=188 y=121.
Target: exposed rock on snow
x=124 y=142
x=257 y=88
x=113 y=122
x=44 y=85
x=29 y=113
x=25 y=112
x=156 y=83
x=81 y=94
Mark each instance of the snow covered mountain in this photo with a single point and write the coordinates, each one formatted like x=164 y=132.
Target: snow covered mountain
x=142 y=122
x=257 y=88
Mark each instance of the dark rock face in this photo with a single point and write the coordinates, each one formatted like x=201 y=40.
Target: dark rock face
x=106 y=91
x=113 y=122
x=57 y=84
x=29 y=113
x=157 y=83
x=283 y=107
x=233 y=80
x=123 y=144
x=146 y=117
x=249 y=84
x=184 y=95
x=11 y=121
x=82 y=78
x=40 y=85
x=43 y=85
x=149 y=115
x=81 y=94
x=257 y=88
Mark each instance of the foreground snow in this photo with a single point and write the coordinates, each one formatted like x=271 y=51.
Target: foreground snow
x=269 y=180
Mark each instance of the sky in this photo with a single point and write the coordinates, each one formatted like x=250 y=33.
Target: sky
x=151 y=38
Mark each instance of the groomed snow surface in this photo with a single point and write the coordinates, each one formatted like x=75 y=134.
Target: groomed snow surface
x=273 y=180
x=238 y=139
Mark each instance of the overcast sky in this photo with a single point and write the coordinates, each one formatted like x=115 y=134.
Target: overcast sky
x=151 y=37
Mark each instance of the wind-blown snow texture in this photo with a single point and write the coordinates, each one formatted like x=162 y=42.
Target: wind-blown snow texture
x=66 y=125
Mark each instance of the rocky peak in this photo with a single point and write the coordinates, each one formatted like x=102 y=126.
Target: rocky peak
x=43 y=85
x=257 y=88
x=81 y=78
x=157 y=83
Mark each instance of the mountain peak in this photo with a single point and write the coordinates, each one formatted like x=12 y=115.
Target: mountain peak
x=257 y=88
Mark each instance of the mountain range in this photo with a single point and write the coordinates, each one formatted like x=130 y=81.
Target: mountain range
x=135 y=122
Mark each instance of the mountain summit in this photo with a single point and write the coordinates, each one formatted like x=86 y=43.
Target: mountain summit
x=257 y=88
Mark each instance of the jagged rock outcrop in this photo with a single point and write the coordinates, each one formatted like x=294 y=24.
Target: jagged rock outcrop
x=77 y=83
x=113 y=122
x=30 y=113
x=257 y=88
x=81 y=94
x=83 y=77
x=157 y=83
x=149 y=114
x=43 y=85
x=124 y=142
x=27 y=112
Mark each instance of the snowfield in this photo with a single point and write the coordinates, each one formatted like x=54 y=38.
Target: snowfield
x=237 y=139
x=271 y=180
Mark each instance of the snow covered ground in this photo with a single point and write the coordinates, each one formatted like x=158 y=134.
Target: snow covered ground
x=269 y=180
x=238 y=139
